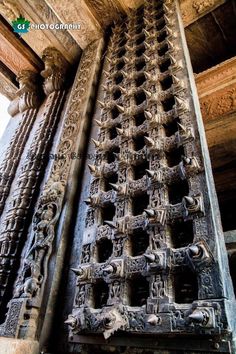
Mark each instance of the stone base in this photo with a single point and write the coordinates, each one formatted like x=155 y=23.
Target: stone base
x=18 y=346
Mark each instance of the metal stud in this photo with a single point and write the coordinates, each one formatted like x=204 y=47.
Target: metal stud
x=150 y=173
x=114 y=186
x=148 y=115
x=150 y=257
x=149 y=212
x=189 y=200
x=149 y=141
x=120 y=108
x=110 y=223
x=92 y=168
x=96 y=143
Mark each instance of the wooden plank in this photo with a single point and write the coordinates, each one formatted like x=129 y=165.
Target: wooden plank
x=8 y=84
x=38 y=12
x=77 y=12
x=192 y=10
x=14 y=54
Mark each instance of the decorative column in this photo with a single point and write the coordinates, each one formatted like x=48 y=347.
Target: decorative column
x=18 y=209
x=28 y=100
x=24 y=310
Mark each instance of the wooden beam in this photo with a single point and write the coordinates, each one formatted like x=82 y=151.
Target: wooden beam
x=192 y=10
x=105 y=11
x=14 y=54
x=221 y=138
x=38 y=12
x=216 y=78
x=78 y=12
x=217 y=94
x=8 y=84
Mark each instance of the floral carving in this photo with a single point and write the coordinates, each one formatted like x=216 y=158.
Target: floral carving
x=221 y=103
x=9 y=9
x=203 y=5
x=33 y=271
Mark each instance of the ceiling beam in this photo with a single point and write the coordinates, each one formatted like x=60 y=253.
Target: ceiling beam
x=38 y=12
x=78 y=12
x=8 y=84
x=217 y=94
x=217 y=90
x=192 y=10
x=14 y=54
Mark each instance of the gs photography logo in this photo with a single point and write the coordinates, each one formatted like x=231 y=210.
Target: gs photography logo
x=21 y=25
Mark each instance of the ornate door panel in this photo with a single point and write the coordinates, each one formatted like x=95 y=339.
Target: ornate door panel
x=152 y=260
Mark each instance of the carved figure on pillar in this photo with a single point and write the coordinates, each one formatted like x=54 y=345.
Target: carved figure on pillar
x=17 y=210
x=34 y=267
x=29 y=92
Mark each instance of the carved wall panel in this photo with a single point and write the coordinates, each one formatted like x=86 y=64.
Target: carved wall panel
x=105 y=10
x=17 y=207
x=29 y=287
x=152 y=258
x=216 y=89
x=77 y=12
x=192 y=10
x=14 y=55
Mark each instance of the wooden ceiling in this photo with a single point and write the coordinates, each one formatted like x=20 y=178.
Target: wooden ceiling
x=212 y=38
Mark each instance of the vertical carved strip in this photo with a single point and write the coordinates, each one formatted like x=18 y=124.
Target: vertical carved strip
x=29 y=99
x=15 y=214
x=33 y=271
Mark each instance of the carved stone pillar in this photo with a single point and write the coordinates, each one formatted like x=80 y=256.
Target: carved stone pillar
x=18 y=208
x=23 y=314
x=28 y=99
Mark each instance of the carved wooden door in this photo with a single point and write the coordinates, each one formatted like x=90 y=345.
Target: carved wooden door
x=152 y=257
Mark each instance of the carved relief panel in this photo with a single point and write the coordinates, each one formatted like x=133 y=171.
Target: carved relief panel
x=15 y=214
x=152 y=256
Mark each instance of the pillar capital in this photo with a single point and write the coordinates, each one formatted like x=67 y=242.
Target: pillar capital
x=29 y=91
x=56 y=67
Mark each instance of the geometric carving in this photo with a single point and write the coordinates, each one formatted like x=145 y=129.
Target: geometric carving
x=155 y=202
